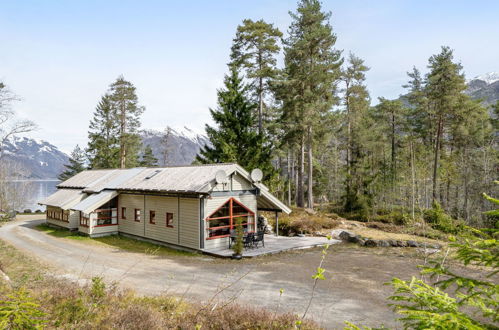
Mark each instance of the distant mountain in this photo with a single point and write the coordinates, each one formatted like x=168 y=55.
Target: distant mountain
x=485 y=87
x=33 y=159
x=182 y=145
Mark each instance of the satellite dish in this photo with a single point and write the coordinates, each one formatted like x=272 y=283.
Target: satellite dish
x=257 y=175
x=221 y=176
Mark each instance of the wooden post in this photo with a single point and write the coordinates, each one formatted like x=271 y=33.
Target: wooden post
x=277 y=223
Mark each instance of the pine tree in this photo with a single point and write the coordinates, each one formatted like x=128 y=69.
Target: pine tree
x=76 y=164
x=312 y=72
x=233 y=139
x=148 y=159
x=255 y=48
x=103 y=147
x=445 y=83
x=125 y=106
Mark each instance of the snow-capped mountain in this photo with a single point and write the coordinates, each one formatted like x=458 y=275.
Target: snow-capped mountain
x=488 y=78
x=182 y=145
x=33 y=159
x=485 y=87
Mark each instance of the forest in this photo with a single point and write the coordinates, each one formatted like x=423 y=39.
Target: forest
x=312 y=127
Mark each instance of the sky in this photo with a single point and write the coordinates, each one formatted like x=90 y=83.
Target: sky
x=59 y=57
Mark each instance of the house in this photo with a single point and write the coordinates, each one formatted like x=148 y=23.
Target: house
x=192 y=207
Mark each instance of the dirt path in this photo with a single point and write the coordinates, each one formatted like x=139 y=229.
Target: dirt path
x=354 y=290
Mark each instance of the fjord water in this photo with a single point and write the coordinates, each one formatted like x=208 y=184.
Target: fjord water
x=33 y=191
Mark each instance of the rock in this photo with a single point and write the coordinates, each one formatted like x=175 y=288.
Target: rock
x=349 y=237
x=383 y=243
x=310 y=211
x=401 y=243
x=354 y=239
x=370 y=243
x=345 y=235
x=413 y=244
x=361 y=242
x=300 y=235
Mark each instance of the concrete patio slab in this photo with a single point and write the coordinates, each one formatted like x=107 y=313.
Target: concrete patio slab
x=275 y=244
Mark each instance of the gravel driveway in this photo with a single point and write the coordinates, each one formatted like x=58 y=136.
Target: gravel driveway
x=353 y=291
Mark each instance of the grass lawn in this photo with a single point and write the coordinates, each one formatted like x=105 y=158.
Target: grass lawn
x=117 y=241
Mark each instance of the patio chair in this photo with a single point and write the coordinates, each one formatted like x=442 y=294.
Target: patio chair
x=232 y=237
x=248 y=240
x=259 y=237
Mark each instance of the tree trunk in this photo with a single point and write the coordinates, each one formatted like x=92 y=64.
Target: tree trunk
x=260 y=107
x=413 y=174
x=122 y=137
x=290 y=177
x=310 y=180
x=436 y=158
x=300 y=201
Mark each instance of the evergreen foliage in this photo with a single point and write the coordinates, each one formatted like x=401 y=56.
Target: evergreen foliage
x=76 y=164
x=234 y=139
x=148 y=159
x=20 y=311
x=103 y=147
x=124 y=103
x=474 y=302
x=308 y=90
x=254 y=49
x=113 y=136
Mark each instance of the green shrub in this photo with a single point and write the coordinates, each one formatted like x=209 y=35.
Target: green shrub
x=393 y=217
x=438 y=219
x=20 y=311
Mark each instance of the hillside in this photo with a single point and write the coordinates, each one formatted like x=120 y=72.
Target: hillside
x=485 y=87
x=182 y=145
x=33 y=159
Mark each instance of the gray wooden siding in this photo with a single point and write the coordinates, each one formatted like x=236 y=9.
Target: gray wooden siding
x=74 y=219
x=158 y=231
x=240 y=183
x=129 y=225
x=189 y=222
x=104 y=230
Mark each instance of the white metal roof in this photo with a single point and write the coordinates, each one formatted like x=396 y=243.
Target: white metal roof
x=92 y=202
x=64 y=198
x=86 y=178
x=176 y=179
x=195 y=179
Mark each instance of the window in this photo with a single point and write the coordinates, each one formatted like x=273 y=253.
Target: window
x=137 y=215
x=152 y=217
x=226 y=218
x=106 y=217
x=84 y=219
x=123 y=213
x=169 y=220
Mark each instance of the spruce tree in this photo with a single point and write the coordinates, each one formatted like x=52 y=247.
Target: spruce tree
x=356 y=101
x=255 y=48
x=125 y=107
x=312 y=73
x=234 y=140
x=103 y=147
x=148 y=159
x=76 y=164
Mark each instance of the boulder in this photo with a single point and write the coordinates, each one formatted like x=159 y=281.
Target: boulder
x=370 y=243
x=413 y=244
x=383 y=243
x=345 y=235
x=401 y=243
x=310 y=211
